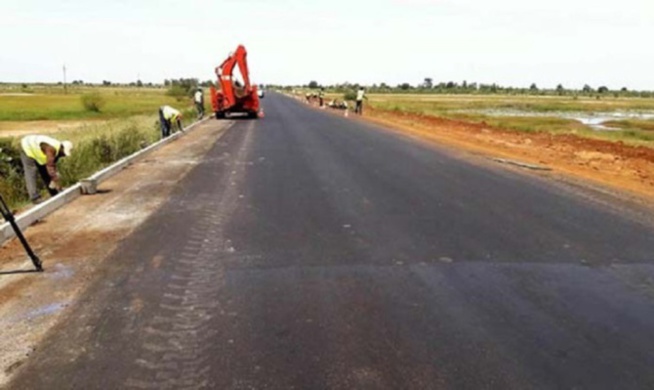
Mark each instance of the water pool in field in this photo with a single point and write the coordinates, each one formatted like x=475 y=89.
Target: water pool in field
x=594 y=120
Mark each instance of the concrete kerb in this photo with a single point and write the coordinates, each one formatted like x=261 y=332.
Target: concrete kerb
x=40 y=211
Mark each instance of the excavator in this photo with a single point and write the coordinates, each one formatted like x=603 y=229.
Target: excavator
x=233 y=96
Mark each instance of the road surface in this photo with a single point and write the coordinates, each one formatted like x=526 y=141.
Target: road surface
x=309 y=251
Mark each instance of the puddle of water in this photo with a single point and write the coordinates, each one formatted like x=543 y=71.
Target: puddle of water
x=61 y=272
x=46 y=310
x=42 y=311
x=594 y=120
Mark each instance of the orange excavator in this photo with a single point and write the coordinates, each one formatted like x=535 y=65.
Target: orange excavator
x=233 y=96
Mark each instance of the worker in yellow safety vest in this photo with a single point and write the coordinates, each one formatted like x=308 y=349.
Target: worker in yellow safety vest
x=168 y=115
x=39 y=154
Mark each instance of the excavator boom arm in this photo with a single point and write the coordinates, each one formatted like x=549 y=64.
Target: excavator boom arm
x=228 y=97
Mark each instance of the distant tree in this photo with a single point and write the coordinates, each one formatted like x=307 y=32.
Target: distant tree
x=450 y=85
x=603 y=89
x=350 y=95
x=533 y=87
x=624 y=89
x=428 y=83
x=404 y=86
x=464 y=84
x=587 y=88
x=106 y=83
x=560 y=90
x=313 y=84
x=139 y=83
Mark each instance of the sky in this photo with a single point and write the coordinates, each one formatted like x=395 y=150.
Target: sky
x=509 y=42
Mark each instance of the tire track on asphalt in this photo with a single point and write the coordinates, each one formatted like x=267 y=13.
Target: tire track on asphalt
x=177 y=343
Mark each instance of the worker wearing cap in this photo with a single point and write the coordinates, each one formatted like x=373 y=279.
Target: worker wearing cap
x=198 y=98
x=39 y=154
x=168 y=115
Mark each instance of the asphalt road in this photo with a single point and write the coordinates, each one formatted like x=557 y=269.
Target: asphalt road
x=308 y=251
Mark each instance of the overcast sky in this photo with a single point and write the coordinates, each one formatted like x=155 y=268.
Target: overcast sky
x=510 y=42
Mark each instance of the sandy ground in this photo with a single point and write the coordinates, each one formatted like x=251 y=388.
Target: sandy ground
x=19 y=128
x=611 y=164
x=73 y=241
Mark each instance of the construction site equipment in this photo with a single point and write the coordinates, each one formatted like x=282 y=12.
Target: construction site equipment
x=9 y=217
x=232 y=96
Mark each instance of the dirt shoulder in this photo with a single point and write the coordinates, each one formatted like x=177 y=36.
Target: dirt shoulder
x=73 y=241
x=610 y=164
x=21 y=128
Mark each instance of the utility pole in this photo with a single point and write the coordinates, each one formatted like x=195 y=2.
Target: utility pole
x=65 y=89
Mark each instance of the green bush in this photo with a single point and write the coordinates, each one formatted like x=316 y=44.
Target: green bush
x=94 y=153
x=350 y=95
x=93 y=101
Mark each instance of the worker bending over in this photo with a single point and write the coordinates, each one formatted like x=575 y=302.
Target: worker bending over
x=168 y=115
x=39 y=154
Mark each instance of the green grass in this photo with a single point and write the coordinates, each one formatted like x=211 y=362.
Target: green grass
x=632 y=124
x=120 y=102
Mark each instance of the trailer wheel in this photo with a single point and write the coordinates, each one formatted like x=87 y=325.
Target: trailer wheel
x=220 y=114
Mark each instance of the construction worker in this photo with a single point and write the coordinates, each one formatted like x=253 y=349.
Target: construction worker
x=199 y=102
x=321 y=96
x=167 y=115
x=361 y=94
x=39 y=154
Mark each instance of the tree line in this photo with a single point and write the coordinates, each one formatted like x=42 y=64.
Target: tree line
x=428 y=86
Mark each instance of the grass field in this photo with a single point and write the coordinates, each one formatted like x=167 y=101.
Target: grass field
x=49 y=104
x=534 y=113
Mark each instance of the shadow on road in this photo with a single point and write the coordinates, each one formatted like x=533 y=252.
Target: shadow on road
x=15 y=272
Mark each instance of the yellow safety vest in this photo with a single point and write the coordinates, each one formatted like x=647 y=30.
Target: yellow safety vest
x=32 y=147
